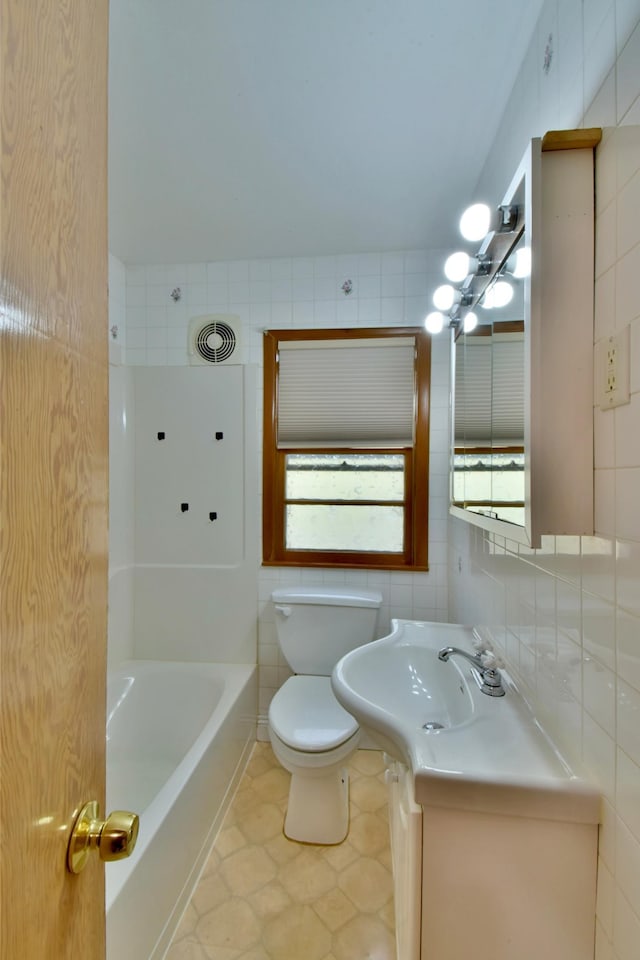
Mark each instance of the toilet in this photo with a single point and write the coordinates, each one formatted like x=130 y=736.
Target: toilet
x=312 y=736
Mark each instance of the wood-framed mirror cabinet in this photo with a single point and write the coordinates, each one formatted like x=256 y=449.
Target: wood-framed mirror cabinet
x=522 y=395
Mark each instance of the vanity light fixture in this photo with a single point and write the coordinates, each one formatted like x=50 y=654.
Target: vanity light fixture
x=445 y=297
x=519 y=264
x=460 y=265
x=469 y=322
x=479 y=278
x=475 y=222
x=457 y=266
x=434 y=322
x=486 y=301
x=449 y=300
x=507 y=221
x=498 y=295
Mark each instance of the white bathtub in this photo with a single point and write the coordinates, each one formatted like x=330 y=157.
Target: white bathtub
x=178 y=735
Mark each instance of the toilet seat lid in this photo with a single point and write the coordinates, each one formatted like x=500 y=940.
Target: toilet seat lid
x=306 y=716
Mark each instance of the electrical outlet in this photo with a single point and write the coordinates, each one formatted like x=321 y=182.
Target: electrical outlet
x=613 y=370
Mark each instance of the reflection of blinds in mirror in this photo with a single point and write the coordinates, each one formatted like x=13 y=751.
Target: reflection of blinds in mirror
x=507 y=379
x=489 y=391
x=346 y=393
x=473 y=391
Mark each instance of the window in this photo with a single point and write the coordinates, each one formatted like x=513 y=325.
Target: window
x=346 y=447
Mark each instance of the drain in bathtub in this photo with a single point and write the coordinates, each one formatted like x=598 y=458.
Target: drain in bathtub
x=432 y=725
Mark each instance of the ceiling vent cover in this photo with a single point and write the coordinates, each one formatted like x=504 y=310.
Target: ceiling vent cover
x=214 y=339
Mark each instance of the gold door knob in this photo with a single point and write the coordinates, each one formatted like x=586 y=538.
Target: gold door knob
x=113 y=838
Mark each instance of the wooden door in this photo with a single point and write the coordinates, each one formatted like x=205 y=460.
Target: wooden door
x=53 y=468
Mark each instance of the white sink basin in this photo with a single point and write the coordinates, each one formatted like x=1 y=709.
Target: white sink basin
x=400 y=678
x=466 y=750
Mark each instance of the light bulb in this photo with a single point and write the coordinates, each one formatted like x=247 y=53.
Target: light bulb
x=502 y=293
x=470 y=322
x=519 y=265
x=457 y=267
x=434 y=322
x=488 y=299
x=475 y=221
x=444 y=297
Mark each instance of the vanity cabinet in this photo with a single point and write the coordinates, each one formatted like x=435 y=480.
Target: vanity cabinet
x=405 y=829
x=487 y=886
x=493 y=830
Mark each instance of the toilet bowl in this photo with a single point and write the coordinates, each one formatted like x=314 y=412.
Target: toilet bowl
x=312 y=736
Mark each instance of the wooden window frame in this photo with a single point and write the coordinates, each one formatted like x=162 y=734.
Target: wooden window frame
x=416 y=494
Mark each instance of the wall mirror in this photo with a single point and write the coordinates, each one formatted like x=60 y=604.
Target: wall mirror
x=522 y=398
x=488 y=440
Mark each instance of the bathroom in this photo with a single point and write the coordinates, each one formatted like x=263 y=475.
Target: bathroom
x=581 y=592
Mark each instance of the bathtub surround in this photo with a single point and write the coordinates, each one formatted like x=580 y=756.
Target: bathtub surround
x=184 y=547
x=189 y=470
x=183 y=587
x=178 y=739
x=195 y=577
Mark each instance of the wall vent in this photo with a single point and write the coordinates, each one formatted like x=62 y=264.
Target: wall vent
x=214 y=339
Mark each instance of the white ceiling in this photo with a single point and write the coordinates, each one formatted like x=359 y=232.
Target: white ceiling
x=264 y=128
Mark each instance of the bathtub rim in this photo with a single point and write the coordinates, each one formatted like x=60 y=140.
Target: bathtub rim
x=240 y=677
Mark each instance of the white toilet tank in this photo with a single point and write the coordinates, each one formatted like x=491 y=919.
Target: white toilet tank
x=317 y=625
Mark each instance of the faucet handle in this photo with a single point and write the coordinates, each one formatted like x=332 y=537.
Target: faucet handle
x=490 y=660
x=480 y=645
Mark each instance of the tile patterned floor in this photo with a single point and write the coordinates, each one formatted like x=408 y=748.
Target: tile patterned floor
x=263 y=897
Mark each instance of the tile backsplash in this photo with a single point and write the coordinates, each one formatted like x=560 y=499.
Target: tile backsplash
x=568 y=614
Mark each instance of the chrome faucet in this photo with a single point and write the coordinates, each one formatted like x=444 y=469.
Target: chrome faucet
x=485 y=666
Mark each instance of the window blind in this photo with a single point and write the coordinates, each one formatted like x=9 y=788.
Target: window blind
x=346 y=393
x=472 y=401
x=507 y=379
x=489 y=391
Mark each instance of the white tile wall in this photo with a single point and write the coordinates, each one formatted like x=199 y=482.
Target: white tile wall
x=389 y=287
x=570 y=625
